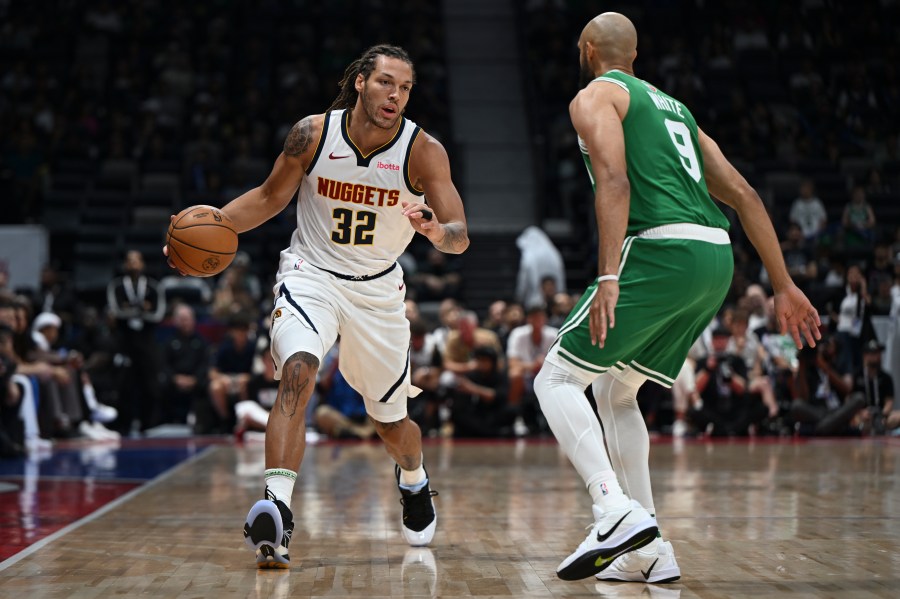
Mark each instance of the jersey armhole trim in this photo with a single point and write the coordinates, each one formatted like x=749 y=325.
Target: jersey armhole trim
x=320 y=143
x=616 y=81
x=406 y=178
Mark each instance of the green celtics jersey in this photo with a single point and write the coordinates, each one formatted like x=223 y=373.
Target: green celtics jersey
x=665 y=166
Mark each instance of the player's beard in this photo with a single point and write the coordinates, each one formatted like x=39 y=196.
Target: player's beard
x=586 y=74
x=373 y=113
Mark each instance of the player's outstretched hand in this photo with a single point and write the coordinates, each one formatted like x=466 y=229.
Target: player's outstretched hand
x=603 y=311
x=422 y=220
x=796 y=315
x=166 y=252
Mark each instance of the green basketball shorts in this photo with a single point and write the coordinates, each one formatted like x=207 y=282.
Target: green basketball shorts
x=672 y=282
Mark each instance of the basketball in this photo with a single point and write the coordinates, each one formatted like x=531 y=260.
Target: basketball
x=202 y=241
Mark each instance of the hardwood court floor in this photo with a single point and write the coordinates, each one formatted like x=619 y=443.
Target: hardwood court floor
x=778 y=519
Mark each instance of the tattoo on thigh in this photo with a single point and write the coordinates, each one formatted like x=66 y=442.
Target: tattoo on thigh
x=298 y=371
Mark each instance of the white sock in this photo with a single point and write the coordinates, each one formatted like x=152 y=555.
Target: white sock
x=280 y=481
x=575 y=426
x=413 y=480
x=90 y=397
x=606 y=492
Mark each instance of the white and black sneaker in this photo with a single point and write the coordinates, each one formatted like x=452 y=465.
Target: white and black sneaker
x=419 y=518
x=653 y=564
x=613 y=533
x=268 y=531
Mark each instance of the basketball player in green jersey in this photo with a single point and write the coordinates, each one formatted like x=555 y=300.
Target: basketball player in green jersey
x=665 y=265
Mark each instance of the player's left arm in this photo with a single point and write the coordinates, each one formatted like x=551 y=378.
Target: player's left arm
x=597 y=112
x=430 y=171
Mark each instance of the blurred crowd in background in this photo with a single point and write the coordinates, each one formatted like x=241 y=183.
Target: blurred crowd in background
x=118 y=114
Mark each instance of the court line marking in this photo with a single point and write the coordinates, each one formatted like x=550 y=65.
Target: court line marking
x=11 y=561
x=93 y=479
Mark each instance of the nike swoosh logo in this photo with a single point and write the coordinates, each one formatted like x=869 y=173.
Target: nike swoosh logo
x=603 y=537
x=650 y=569
x=401 y=286
x=331 y=156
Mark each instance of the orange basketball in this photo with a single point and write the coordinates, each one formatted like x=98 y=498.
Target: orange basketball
x=201 y=241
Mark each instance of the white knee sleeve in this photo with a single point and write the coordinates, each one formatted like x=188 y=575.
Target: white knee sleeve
x=626 y=433
x=562 y=400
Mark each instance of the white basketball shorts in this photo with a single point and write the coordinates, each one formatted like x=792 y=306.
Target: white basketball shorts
x=313 y=307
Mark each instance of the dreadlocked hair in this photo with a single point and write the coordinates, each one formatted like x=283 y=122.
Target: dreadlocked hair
x=364 y=65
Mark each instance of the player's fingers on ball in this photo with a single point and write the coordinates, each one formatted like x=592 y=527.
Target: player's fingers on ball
x=165 y=250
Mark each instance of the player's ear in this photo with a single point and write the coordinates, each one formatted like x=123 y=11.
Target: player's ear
x=358 y=84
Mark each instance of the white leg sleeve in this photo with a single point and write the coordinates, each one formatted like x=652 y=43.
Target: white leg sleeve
x=626 y=432
x=27 y=408
x=576 y=427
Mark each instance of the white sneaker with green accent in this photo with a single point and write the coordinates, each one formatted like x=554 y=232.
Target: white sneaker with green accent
x=654 y=563
x=613 y=533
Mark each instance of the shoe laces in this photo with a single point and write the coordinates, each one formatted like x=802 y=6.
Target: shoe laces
x=417 y=507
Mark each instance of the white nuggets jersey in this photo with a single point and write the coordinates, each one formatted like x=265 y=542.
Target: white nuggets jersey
x=349 y=213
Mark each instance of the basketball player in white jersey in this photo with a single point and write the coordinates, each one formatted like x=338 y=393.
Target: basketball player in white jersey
x=363 y=172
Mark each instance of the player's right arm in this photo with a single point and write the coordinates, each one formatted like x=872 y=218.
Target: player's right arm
x=794 y=311
x=258 y=205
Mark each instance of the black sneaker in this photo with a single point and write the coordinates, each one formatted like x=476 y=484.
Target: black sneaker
x=268 y=530
x=419 y=518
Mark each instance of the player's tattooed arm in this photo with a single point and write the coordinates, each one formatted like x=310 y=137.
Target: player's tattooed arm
x=299 y=138
x=455 y=239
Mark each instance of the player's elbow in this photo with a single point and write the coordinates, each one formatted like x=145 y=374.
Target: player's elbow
x=614 y=182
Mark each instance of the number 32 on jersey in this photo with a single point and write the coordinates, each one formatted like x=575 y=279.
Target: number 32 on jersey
x=358 y=229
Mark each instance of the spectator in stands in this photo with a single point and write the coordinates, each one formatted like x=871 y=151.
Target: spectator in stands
x=727 y=408
x=438 y=278
x=877 y=387
x=852 y=321
x=494 y=318
x=746 y=344
x=448 y=314
x=513 y=316
x=75 y=389
x=10 y=396
x=755 y=299
x=425 y=363
x=60 y=408
x=341 y=413
x=560 y=309
x=229 y=374
x=808 y=212
x=461 y=344
x=539 y=259
x=858 y=220
x=185 y=365
x=526 y=349
x=262 y=391
x=881 y=267
x=798 y=257
x=478 y=396
x=238 y=290
x=138 y=306
x=412 y=310
x=823 y=403
x=56 y=294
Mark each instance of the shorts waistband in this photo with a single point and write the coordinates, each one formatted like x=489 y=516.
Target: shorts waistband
x=687 y=231
x=359 y=277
